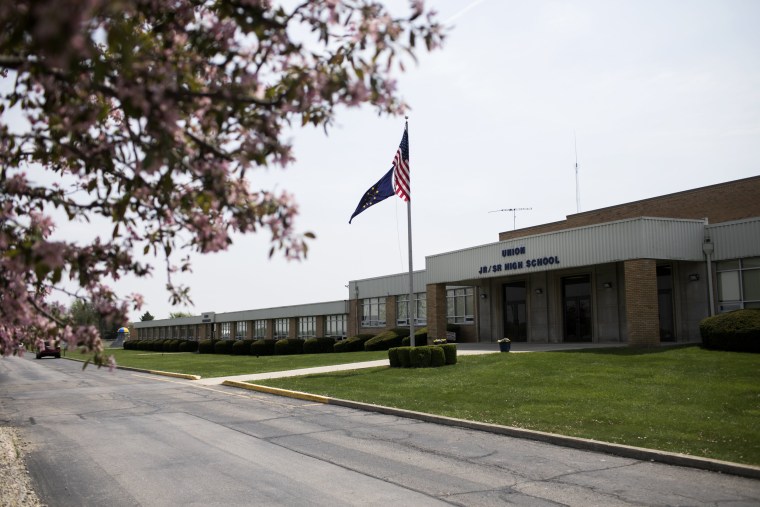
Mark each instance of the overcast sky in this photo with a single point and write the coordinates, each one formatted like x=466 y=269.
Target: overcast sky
x=662 y=96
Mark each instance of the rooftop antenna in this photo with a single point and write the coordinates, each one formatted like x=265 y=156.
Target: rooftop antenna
x=577 y=183
x=513 y=210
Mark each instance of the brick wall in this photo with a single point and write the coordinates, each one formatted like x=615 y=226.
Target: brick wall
x=436 y=311
x=641 y=305
x=725 y=202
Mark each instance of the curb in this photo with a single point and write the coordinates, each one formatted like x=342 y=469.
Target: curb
x=159 y=372
x=625 y=451
x=153 y=372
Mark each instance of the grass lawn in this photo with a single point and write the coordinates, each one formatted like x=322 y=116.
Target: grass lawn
x=678 y=399
x=219 y=365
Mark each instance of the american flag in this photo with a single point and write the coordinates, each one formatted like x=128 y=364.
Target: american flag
x=401 y=183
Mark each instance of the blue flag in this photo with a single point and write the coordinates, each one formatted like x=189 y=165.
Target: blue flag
x=376 y=193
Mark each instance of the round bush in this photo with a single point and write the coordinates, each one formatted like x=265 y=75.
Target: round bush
x=223 y=347
x=403 y=356
x=239 y=348
x=318 y=345
x=386 y=339
x=437 y=357
x=419 y=357
x=420 y=338
x=393 y=358
x=353 y=344
x=206 y=346
x=737 y=331
x=288 y=346
x=191 y=345
x=450 y=352
x=263 y=348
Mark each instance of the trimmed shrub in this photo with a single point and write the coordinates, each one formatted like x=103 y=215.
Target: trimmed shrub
x=191 y=345
x=318 y=345
x=206 y=347
x=183 y=345
x=223 y=347
x=403 y=356
x=239 y=348
x=450 y=353
x=736 y=331
x=263 y=348
x=419 y=357
x=393 y=358
x=353 y=344
x=171 y=346
x=386 y=339
x=437 y=357
x=420 y=338
x=288 y=346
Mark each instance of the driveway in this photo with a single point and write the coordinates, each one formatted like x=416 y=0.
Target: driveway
x=126 y=438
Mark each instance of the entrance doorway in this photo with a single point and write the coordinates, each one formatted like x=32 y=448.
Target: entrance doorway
x=665 y=303
x=515 y=323
x=576 y=304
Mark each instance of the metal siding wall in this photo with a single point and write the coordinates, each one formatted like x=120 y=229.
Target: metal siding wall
x=388 y=285
x=585 y=246
x=735 y=240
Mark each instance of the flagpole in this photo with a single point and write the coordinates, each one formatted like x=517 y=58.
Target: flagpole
x=411 y=306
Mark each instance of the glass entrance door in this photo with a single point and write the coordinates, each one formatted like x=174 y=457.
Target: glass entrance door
x=665 y=303
x=515 y=323
x=576 y=304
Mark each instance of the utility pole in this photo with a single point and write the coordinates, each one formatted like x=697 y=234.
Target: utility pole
x=514 y=214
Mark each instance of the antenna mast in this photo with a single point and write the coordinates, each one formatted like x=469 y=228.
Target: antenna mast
x=577 y=184
x=513 y=210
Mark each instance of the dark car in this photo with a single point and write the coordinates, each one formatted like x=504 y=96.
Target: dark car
x=49 y=348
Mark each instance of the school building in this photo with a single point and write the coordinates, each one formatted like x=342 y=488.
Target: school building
x=640 y=273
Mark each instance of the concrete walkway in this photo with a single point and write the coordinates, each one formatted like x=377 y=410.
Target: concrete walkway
x=463 y=349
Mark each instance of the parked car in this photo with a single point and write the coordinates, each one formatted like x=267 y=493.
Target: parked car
x=49 y=348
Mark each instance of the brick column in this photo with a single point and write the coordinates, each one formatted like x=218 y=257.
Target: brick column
x=319 y=332
x=352 y=326
x=436 y=310
x=269 y=334
x=390 y=312
x=293 y=327
x=641 y=305
x=249 y=330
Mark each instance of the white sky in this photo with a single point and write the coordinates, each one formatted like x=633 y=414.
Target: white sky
x=663 y=96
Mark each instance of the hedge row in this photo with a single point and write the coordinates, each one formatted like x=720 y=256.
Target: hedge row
x=426 y=356
x=738 y=331
x=162 y=345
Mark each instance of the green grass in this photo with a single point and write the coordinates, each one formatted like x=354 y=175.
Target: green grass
x=220 y=365
x=681 y=399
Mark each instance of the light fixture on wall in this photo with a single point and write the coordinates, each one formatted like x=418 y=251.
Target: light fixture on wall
x=539 y=291
x=607 y=285
x=694 y=277
x=483 y=295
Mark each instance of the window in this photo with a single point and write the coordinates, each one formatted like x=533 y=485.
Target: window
x=335 y=326
x=307 y=327
x=241 y=328
x=739 y=284
x=226 y=331
x=420 y=309
x=259 y=329
x=373 y=312
x=281 y=328
x=459 y=305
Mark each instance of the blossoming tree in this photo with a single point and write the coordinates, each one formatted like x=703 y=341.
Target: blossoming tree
x=151 y=114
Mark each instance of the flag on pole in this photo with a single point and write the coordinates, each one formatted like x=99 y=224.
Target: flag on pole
x=401 y=183
x=376 y=193
x=395 y=180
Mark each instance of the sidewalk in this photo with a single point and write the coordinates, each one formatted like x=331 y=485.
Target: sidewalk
x=463 y=349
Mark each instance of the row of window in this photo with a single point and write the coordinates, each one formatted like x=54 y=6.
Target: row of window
x=334 y=326
x=460 y=308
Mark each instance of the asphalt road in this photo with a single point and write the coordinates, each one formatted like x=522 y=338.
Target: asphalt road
x=123 y=438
